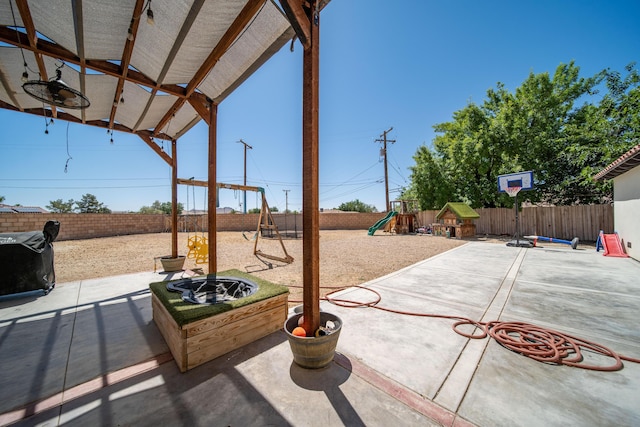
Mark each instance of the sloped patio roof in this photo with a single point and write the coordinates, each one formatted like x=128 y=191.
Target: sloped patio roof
x=150 y=80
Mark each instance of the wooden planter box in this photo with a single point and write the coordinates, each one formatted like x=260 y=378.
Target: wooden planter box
x=200 y=341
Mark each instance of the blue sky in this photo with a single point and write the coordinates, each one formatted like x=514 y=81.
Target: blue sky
x=406 y=64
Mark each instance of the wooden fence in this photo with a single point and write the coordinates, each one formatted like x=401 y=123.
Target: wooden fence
x=560 y=222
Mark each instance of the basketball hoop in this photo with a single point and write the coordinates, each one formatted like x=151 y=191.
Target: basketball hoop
x=512 y=191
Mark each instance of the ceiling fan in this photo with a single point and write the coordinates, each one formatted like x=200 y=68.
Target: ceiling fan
x=56 y=92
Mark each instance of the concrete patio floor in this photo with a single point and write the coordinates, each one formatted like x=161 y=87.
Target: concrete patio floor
x=89 y=353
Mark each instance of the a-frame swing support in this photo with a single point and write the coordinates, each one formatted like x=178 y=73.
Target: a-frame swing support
x=265 y=221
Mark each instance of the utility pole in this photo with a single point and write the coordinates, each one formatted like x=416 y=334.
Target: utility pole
x=244 y=203
x=286 y=200
x=384 y=140
x=286 y=210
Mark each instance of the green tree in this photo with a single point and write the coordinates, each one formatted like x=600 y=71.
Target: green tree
x=356 y=206
x=547 y=125
x=429 y=184
x=160 y=208
x=59 y=206
x=90 y=204
x=604 y=132
x=2 y=199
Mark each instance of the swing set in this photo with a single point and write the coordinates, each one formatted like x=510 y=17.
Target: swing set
x=198 y=245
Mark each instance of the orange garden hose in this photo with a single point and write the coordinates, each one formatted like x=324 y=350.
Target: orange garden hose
x=536 y=342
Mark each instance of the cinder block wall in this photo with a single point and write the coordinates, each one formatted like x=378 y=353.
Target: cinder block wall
x=84 y=226
x=87 y=226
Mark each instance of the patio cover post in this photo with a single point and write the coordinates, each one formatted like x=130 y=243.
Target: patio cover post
x=310 y=174
x=211 y=183
x=174 y=199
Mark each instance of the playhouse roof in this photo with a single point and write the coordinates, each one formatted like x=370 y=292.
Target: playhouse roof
x=460 y=209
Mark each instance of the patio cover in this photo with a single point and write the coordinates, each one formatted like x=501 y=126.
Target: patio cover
x=151 y=80
x=158 y=80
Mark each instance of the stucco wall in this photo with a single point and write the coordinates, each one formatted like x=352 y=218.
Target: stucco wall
x=626 y=210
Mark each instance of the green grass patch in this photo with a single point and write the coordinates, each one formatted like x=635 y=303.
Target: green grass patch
x=185 y=313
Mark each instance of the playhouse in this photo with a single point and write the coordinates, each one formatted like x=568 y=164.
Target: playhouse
x=405 y=221
x=455 y=219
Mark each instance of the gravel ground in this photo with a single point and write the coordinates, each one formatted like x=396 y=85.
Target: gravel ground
x=347 y=257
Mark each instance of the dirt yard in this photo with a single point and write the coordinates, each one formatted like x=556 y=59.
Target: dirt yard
x=347 y=257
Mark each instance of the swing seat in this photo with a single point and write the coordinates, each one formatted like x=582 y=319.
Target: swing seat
x=255 y=235
x=198 y=249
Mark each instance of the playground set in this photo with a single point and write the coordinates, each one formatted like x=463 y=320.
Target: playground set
x=401 y=219
x=455 y=220
x=198 y=244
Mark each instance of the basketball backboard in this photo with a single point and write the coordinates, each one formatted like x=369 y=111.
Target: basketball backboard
x=524 y=180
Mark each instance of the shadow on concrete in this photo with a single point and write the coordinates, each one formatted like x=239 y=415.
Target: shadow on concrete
x=328 y=380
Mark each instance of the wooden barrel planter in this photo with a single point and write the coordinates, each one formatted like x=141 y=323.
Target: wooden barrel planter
x=313 y=352
x=170 y=264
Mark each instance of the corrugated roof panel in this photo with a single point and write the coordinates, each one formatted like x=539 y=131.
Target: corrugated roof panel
x=28 y=209
x=11 y=71
x=622 y=164
x=214 y=20
x=155 y=42
x=183 y=118
x=5 y=14
x=105 y=38
x=99 y=89
x=245 y=51
x=135 y=101
x=157 y=110
x=170 y=52
x=54 y=20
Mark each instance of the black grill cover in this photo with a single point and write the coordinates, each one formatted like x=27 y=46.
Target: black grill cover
x=26 y=260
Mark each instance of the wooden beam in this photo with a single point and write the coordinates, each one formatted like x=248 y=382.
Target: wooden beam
x=164 y=156
x=46 y=112
x=46 y=48
x=212 y=217
x=200 y=103
x=174 y=200
x=298 y=19
x=235 y=29
x=27 y=21
x=32 y=39
x=126 y=59
x=310 y=172
x=240 y=187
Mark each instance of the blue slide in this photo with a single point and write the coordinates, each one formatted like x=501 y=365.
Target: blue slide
x=382 y=222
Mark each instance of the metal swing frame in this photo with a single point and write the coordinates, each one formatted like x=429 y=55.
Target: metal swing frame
x=265 y=220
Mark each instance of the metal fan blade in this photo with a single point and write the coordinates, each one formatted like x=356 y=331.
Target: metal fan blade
x=66 y=94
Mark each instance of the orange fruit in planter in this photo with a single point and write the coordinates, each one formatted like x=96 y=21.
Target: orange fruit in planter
x=299 y=332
